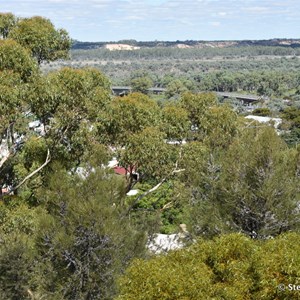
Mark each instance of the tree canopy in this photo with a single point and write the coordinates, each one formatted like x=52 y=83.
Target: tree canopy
x=7 y=22
x=88 y=179
x=39 y=36
x=229 y=267
x=15 y=58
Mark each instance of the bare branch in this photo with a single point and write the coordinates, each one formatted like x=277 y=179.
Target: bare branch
x=9 y=143
x=166 y=206
x=30 y=294
x=153 y=189
x=4 y=159
x=48 y=159
x=178 y=171
x=145 y=194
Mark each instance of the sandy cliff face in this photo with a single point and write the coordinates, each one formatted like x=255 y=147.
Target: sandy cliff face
x=183 y=46
x=288 y=42
x=216 y=44
x=113 y=47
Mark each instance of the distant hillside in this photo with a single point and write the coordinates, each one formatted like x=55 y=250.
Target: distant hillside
x=189 y=44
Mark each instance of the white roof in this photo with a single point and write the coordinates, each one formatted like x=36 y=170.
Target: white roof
x=164 y=242
x=112 y=163
x=34 y=124
x=132 y=192
x=175 y=142
x=277 y=121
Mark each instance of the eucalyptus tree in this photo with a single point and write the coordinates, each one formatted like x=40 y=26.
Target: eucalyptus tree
x=141 y=82
x=17 y=69
x=19 y=73
x=175 y=122
x=17 y=59
x=68 y=103
x=7 y=22
x=40 y=36
x=228 y=267
x=74 y=245
x=252 y=187
x=129 y=115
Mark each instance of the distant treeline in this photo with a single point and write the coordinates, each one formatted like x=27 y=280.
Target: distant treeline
x=177 y=53
x=294 y=43
x=271 y=71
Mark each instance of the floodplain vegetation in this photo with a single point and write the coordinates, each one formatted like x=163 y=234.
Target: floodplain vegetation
x=68 y=229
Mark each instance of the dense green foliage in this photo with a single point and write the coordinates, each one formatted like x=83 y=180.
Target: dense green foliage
x=40 y=37
x=73 y=245
x=229 y=267
x=7 y=22
x=15 y=58
x=269 y=71
x=69 y=228
x=245 y=189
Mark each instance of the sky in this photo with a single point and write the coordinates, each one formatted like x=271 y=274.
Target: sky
x=165 y=20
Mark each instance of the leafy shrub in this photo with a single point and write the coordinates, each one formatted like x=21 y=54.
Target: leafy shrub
x=228 y=267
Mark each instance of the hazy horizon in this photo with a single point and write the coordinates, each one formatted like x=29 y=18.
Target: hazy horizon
x=166 y=20
x=186 y=40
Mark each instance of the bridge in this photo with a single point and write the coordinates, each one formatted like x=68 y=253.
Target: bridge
x=124 y=90
x=121 y=90
x=246 y=99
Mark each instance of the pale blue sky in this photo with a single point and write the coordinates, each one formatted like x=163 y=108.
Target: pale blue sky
x=145 y=20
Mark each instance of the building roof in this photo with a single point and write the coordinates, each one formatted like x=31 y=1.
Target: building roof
x=120 y=170
x=276 y=121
